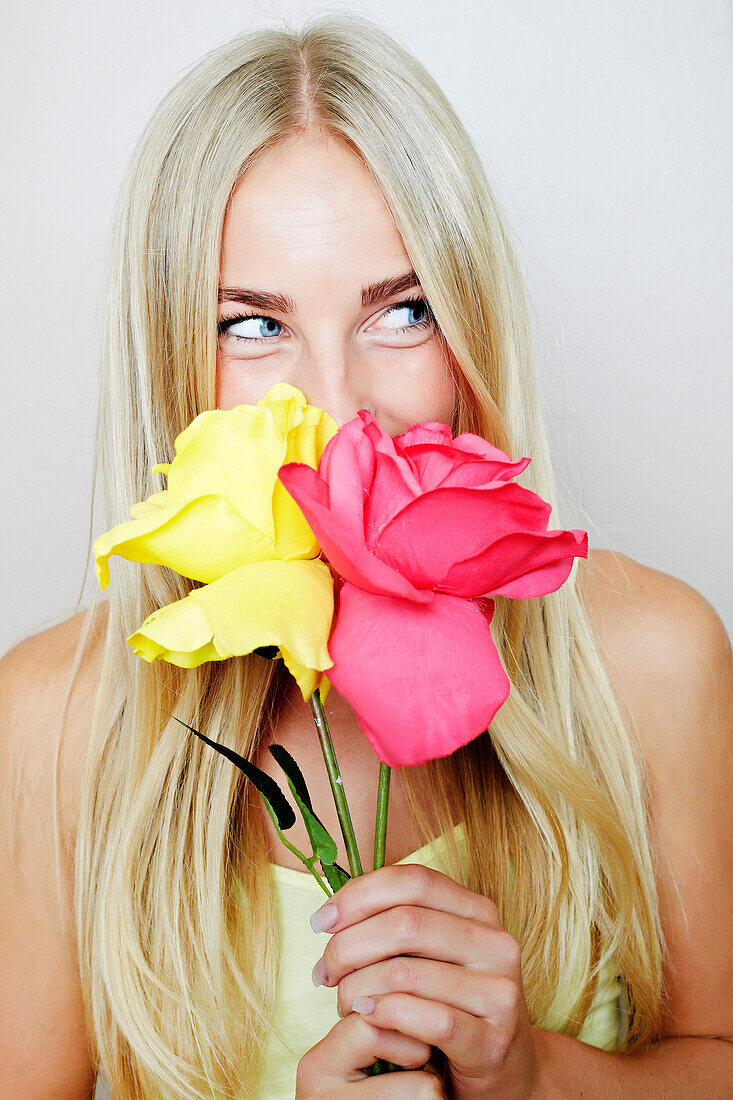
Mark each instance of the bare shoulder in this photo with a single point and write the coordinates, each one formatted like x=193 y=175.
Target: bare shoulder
x=665 y=645
x=45 y=716
x=46 y=702
x=670 y=661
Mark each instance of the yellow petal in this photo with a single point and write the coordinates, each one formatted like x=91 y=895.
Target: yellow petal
x=324 y=686
x=203 y=539
x=285 y=604
x=306 y=443
x=286 y=405
x=306 y=678
x=224 y=505
x=235 y=454
x=179 y=633
x=154 y=503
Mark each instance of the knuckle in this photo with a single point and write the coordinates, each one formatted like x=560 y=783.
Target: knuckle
x=400 y=975
x=508 y=950
x=500 y=1001
x=421 y=879
x=408 y=922
x=413 y=1059
x=501 y=1043
x=507 y=997
x=448 y=1025
x=492 y=911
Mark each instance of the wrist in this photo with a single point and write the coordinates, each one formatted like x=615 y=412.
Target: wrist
x=544 y=1086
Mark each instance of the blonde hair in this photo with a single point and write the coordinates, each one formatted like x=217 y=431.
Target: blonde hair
x=173 y=900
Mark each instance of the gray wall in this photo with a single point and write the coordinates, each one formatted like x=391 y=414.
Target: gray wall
x=606 y=131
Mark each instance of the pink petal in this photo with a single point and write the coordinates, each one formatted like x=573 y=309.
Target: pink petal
x=429 y=431
x=347 y=468
x=476 y=444
x=395 y=481
x=423 y=680
x=444 y=467
x=341 y=536
x=440 y=528
x=519 y=565
x=433 y=432
x=349 y=438
x=435 y=454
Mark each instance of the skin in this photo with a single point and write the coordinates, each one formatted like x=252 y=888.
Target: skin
x=442 y=971
x=307 y=221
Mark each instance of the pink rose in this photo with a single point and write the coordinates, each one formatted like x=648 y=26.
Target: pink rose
x=421 y=530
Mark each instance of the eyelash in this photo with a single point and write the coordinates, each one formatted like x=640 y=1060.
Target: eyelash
x=428 y=319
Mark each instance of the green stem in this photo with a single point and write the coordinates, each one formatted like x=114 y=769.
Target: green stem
x=309 y=863
x=380 y=840
x=347 y=829
x=380 y=829
x=337 y=784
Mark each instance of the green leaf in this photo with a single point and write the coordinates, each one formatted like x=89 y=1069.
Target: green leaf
x=290 y=767
x=276 y=803
x=335 y=876
x=324 y=847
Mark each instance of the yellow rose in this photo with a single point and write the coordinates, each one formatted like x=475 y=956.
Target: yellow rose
x=226 y=520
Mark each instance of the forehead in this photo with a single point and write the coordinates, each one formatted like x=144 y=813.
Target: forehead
x=310 y=201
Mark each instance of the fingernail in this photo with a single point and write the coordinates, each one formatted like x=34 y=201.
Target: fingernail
x=319 y=973
x=364 y=1005
x=341 y=1014
x=324 y=918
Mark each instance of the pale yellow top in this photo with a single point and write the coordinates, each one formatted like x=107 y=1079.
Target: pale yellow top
x=305 y=1014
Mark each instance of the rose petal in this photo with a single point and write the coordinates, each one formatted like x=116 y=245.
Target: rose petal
x=424 y=540
x=429 y=431
x=285 y=604
x=347 y=469
x=202 y=539
x=520 y=565
x=482 y=473
x=395 y=481
x=423 y=680
x=342 y=539
x=233 y=453
x=443 y=467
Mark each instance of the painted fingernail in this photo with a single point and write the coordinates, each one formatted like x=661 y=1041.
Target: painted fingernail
x=319 y=973
x=324 y=918
x=364 y=1005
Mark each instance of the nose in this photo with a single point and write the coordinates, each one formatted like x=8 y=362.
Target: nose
x=335 y=386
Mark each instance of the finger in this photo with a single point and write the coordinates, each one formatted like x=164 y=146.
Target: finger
x=469 y=990
x=471 y=1043
x=428 y=933
x=418 y=1085
x=405 y=884
x=350 y=1047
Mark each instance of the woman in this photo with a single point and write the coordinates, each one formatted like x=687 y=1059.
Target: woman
x=144 y=942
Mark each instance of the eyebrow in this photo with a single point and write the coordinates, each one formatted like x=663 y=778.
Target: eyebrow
x=283 y=303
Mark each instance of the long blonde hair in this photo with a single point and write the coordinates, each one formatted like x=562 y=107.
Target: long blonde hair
x=173 y=900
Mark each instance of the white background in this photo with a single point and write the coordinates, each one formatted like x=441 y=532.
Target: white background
x=606 y=131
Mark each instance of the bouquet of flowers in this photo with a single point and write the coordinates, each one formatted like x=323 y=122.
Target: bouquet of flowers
x=348 y=552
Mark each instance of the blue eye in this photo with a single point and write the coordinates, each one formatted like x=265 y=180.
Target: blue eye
x=414 y=305
x=225 y=326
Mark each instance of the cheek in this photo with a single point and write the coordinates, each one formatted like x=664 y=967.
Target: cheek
x=421 y=389
x=234 y=385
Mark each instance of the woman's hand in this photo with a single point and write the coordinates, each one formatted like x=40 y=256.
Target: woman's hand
x=441 y=970
x=336 y=1065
